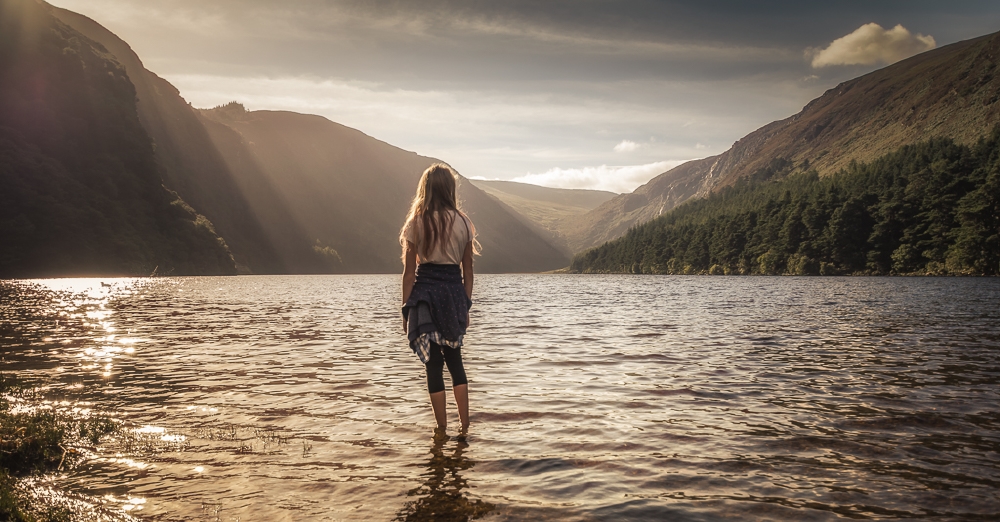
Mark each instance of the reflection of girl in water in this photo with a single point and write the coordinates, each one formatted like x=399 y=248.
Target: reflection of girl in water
x=442 y=495
x=438 y=243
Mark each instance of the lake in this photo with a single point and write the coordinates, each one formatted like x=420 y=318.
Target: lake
x=593 y=397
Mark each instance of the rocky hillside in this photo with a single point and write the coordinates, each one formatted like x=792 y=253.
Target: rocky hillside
x=947 y=92
x=80 y=190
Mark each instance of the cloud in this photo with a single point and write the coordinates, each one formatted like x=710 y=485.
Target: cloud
x=870 y=44
x=626 y=146
x=610 y=178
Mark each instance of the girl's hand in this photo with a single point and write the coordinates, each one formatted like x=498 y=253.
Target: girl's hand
x=468 y=319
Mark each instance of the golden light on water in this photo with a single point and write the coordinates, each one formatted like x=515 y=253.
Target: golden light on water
x=318 y=397
x=119 y=459
x=89 y=301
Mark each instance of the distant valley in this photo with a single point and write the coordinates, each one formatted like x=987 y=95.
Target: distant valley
x=550 y=209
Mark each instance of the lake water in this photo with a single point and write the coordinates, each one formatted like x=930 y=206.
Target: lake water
x=593 y=397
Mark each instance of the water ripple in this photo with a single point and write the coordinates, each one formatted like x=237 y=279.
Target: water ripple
x=594 y=397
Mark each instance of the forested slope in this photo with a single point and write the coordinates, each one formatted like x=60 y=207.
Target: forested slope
x=952 y=92
x=80 y=191
x=929 y=208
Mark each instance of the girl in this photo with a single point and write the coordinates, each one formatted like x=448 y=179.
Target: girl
x=437 y=293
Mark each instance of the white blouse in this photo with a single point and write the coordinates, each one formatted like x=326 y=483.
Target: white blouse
x=451 y=251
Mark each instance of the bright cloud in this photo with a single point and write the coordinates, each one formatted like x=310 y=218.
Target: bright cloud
x=610 y=178
x=870 y=44
x=626 y=146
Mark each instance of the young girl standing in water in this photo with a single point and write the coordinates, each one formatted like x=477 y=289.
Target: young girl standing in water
x=438 y=243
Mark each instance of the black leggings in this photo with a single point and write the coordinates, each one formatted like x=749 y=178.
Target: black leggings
x=435 y=368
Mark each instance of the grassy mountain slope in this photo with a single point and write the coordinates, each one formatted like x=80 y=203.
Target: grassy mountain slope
x=947 y=92
x=80 y=190
x=189 y=162
x=350 y=192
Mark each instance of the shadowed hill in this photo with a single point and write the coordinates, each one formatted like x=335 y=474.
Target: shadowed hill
x=189 y=162
x=350 y=192
x=948 y=92
x=80 y=190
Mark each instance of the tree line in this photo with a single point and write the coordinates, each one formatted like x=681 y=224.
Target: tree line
x=930 y=208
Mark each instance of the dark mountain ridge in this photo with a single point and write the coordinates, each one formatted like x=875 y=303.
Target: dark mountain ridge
x=947 y=92
x=189 y=162
x=81 y=189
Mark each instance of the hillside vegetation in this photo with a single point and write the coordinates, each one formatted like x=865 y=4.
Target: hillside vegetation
x=80 y=190
x=930 y=208
x=188 y=162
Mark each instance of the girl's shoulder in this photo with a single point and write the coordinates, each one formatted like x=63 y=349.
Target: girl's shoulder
x=468 y=223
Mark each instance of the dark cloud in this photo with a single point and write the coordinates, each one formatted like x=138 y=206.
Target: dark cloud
x=425 y=41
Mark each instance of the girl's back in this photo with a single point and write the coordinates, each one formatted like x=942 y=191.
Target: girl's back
x=448 y=250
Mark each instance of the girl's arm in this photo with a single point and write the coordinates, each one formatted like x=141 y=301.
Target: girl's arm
x=467 y=275
x=409 y=272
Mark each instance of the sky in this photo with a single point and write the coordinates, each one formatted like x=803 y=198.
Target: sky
x=564 y=93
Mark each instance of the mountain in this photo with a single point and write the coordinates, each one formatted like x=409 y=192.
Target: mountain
x=932 y=208
x=331 y=199
x=80 y=188
x=551 y=210
x=947 y=92
x=350 y=192
x=191 y=165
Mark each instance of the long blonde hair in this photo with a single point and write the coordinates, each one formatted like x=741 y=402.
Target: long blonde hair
x=436 y=194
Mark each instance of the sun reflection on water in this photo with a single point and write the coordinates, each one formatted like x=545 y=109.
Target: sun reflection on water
x=78 y=318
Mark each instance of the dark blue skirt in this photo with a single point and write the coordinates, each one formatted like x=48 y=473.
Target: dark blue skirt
x=440 y=288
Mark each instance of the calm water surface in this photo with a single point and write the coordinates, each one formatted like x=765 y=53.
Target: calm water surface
x=593 y=397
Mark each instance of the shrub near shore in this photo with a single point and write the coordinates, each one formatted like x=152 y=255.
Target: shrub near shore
x=37 y=441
